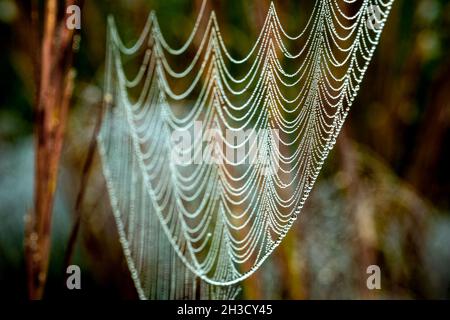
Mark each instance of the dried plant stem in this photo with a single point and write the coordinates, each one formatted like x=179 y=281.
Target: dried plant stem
x=54 y=85
x=85 y=173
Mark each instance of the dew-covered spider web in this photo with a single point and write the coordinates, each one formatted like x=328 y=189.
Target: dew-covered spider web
x=196 y=229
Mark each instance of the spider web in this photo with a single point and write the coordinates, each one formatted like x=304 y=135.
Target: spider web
x=196 y=229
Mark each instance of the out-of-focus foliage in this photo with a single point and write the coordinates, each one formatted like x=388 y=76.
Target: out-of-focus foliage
x=383 y=197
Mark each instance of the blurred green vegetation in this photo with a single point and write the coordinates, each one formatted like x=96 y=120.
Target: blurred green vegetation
x=383 y=197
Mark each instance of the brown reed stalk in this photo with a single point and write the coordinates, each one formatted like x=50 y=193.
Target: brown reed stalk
x=54 y=78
